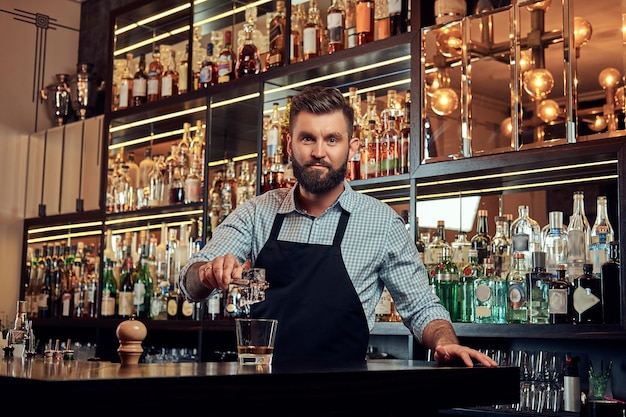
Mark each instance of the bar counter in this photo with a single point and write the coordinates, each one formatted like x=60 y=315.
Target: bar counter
x=374 y=388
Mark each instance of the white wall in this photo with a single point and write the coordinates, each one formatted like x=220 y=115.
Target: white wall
x=33 y=51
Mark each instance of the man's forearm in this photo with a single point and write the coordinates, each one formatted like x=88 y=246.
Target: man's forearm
x=195 y=289
x=439 y=332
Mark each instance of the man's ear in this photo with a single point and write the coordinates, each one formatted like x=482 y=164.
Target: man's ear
x=354 y=147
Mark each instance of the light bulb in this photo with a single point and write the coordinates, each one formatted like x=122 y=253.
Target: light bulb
x=538 y=83
x=539 y=5
x=444 y=101
x=599 y=124
x=548 y=110
x=450 y=41
x=609 y=77
x=619 y=98
x=582 y=31
x=431 y=83
x=506 y=127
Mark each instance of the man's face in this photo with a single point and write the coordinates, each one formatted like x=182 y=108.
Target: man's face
x=320 y=149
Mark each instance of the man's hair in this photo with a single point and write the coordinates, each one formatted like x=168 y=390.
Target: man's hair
x=322 y=100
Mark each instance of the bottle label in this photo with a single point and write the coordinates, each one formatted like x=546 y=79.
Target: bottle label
x=125 y=304
x=139 y=292
x=166 y=86
x=309 y=41
x=558 y=301
x=335 y=28
x=584 y=299
x=172 y=307
x=187 y=308
x=153 y=86
x=107 y=306
x=483 y=293
x=516 y=295
x=124 y=99
x=364 y=12
x=139 y=87
x=520 y=242
x=395 y=7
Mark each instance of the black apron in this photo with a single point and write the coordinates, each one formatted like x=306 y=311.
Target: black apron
x=320 y=316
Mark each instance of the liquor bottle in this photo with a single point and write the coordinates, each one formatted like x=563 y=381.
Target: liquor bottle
x=555 y=243
x=398 y=17
x=33 y=283
x=388 y=143
x=385 y=309
x=248 y=60
x=226 y=60
x=155 y=72
x=126 y=85
x=158 y=303
x=587 y=298
x=364 y=21
x=177 y=188
x=92 y=291
x=173 y=303
x=446 y=282
x=560 y=294
x=381 y=20
x=140 y=83
x=56 y=282
x=298 y=20
x=171 y=78
x=125 y=293
x=449 y=10
x=19 y=333
x=538 y=290
x=208 y=71
x=336 y=22
x=354 y=164
x=156 y=192
x=460 y=249
x=133 y=170
x=67 y=292
x=350 y=25
x=45 y=291
x=611 y=278
x=404 y=136
x=419 y=242
x=183 y=72
x=501 y=248
x=145 y=169
x=143 y=289
x=277 y=32
x=193 y=185
x=601 y=236
x=525 y=235
x=436 y=245
x=312 y=33
x=491 y=296
x=578 y=237
x=517 y=298
x=469 y=273
x=481 y=241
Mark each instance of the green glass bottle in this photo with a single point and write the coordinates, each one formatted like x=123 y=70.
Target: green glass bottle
x=517 y=307
x=446 y=283
x=143 y=289
x=490 y=300
x=108 y=302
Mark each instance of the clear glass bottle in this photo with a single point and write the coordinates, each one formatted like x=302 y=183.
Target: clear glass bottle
x=538 y=290
x=354 y=164
x=248 y=60
x=312 y=33
x=587 y=298
x=140 y=83
x=560 y=294
x=501 y=248
x=226 y=60
x=469 y=273
x=156 y=193
x=525 y=235
x=126 y=85
x=388 y=146
x=517 y=297
x=277 y=33
x=460 y=249
x=435 y=247
x=193 y=185
x=578 y=237
x=446 y=283
x=481 y=241
x=491 y=296
x=385 y=308
x=336 y=22
x=601 y=236
x=183 y=71
x=611 y=278
x=171 y=78
x=298 y=20
x=555 y=243
x=155 y=72
x=143 y=288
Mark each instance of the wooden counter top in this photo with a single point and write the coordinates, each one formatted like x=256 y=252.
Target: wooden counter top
x=377 y=387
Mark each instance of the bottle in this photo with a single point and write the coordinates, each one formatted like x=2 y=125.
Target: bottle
x=525 y=235
x=350 y=31
x=277 y=32
x=571 y=385
x=460 y=249
x=298 y=20
x=419 y=242
x=481 y=241
x=170 y=78
x=126 y=85
x=177 y=188
x=501 y=248
x=312 y=33
x=133 y=170
x=611 y=278
x=336 y=22
x=446 y=283
x=398 y=17
x=158 y=304
x=173 y=303
x=388 y=146
x=231 y=308
x=225 y=60
x=538 y=290
x=143 y=289
x=491 y=296
x=45 y=291
x=404 y=136
x=435 y=247
x=214 y=305
x=587 y=298
x=517 y=307
x=19 y=334
x=208 y=70
x=125 y=294
x=560 y=294
x=578 y=237
x=555 y=243
x=449 y=10
x=183 y=71
x=248 y=60
x=600 y=236
x=381 y=20
x=140 y=83
x=193 y=185
x=31 y=291
x=385 y=309
x=108 y=300
x=469 y=273
x=155 y=72
x=364 y=21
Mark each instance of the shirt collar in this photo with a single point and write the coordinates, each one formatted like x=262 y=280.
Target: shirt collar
x=347 y=200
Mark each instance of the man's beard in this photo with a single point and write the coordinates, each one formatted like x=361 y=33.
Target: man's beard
x=314 y=180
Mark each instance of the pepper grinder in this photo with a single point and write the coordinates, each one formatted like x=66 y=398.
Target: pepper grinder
x=130 y=333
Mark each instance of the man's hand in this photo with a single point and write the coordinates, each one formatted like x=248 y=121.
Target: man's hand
x=454 y=352
x=221 y=271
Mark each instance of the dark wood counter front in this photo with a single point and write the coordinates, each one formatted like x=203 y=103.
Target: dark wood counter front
x=376 y=388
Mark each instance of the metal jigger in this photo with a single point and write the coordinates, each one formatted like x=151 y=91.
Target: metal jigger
x=58 y=98
x=84 y=90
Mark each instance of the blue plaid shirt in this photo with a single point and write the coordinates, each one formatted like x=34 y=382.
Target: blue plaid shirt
x=376 y=248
